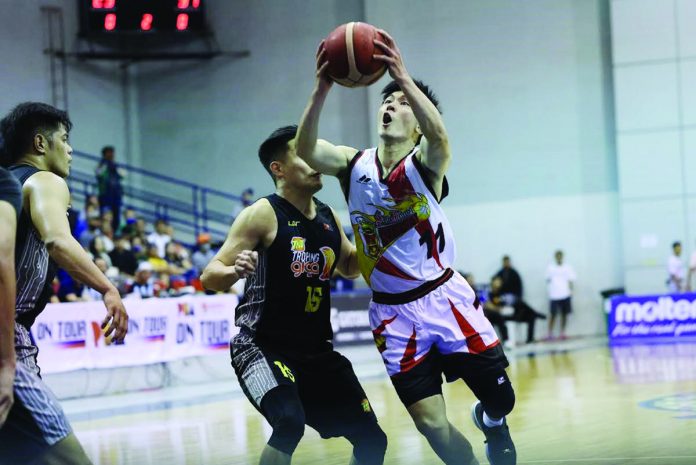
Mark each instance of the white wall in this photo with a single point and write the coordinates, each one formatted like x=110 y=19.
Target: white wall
x=530 y=230
x=95 y=94
x=526 y=93
x=525 y=88
x=654 y=59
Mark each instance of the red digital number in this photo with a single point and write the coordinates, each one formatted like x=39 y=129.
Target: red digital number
x=182 y=22
x=110 y=22
x=146 y=22
x=184 y=4
x=103 y=4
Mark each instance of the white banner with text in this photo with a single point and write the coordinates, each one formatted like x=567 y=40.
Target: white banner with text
x=69 y=335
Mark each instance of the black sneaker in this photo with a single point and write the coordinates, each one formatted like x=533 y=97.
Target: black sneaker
x=499 y=447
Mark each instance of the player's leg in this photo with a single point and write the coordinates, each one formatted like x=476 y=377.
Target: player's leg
x=496 y=399
x=565 y=310
x=282 y=408
x=336 y=405
x=470 y=350
x=552 y=319
x=36 y=430
x=268 y=381
x=430 y=418
x=67 y=451
x=416 y=373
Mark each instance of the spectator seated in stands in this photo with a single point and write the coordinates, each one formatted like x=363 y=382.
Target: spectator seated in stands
x=123 y=258
x=127 y=227
x=69 y=290
x=511 y=294
x=143 y=286
x=160 y=238
x=177 y=258
x=493 y=308
x=158 y=264
x=98 y=250
x=202 y=256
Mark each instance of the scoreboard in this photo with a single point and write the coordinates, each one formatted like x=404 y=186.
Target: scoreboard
x=101 y=18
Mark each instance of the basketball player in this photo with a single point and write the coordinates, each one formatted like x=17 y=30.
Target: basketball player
x=38 y=153
x=287 y=246
x=10 y=205
x=425 y=317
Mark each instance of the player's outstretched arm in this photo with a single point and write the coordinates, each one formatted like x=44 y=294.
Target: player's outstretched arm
x=47 y=198
x=8 y=220
x=319 y=154
x=255 y=226
x=347 y=265
x=434 y=147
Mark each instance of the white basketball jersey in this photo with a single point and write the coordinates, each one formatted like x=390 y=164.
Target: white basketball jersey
x=401 y=233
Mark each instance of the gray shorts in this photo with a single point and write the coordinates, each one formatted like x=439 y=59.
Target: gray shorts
x=36 y=420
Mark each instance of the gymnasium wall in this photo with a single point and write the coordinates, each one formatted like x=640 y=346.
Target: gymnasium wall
x=95 y=91
x=526 y=94
x=654 y=60
x=525 y=88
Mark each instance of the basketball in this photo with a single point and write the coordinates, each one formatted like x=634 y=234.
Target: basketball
x=349 y=50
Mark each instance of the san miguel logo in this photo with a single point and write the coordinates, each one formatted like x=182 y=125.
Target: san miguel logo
x=309 y=263
x=387 y=224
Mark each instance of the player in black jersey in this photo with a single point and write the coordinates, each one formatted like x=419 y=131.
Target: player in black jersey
x=37 y=151
x=287 y=245
x=10 y=205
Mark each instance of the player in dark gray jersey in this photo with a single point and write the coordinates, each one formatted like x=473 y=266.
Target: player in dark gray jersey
x=37 y=151
x=10 y=205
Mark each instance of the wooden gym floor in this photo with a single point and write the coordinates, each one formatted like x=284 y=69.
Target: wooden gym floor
x=578 y=402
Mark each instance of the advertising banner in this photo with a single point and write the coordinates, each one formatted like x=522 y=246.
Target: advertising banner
x=654 y=316
x=69 y=335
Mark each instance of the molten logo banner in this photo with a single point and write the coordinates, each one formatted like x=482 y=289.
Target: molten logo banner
x=672 y=316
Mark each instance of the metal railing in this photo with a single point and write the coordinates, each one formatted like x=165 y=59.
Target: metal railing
x=190 y=207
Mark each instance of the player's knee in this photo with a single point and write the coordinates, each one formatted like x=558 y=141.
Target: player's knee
x=287 y=432
x=433 y=427
x=500 y=404
x=285 y=414
x=369 y=444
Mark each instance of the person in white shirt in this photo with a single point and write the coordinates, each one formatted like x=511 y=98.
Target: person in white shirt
x=559 y=279
x=160 y=238
x=675 y=270
x=691 y=272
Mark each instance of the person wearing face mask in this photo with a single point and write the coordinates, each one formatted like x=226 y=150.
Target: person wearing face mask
x=204 y=254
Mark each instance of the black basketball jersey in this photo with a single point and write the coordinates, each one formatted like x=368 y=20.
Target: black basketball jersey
x=287 y=300
x=34 y=268
x=10 y=190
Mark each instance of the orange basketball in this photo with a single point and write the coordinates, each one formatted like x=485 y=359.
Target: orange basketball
x=349 y=50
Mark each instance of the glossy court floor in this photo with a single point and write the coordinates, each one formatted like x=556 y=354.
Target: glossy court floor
x=578 y=402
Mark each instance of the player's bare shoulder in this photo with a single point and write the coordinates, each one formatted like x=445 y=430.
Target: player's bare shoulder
x=260 y=220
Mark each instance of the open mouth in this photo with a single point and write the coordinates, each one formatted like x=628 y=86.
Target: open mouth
x=386 y=119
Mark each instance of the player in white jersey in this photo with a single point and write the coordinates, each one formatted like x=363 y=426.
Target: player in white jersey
x=425 y=317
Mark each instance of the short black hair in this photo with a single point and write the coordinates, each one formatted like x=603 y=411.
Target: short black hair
x=677 y=243
x=394 y=87
x=275 y=147
x=21 y=124
x=107 y=148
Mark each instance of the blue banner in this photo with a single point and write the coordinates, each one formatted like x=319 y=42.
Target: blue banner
x=652 y=316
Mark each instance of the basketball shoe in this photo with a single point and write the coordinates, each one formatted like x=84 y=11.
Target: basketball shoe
x=500 y=449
